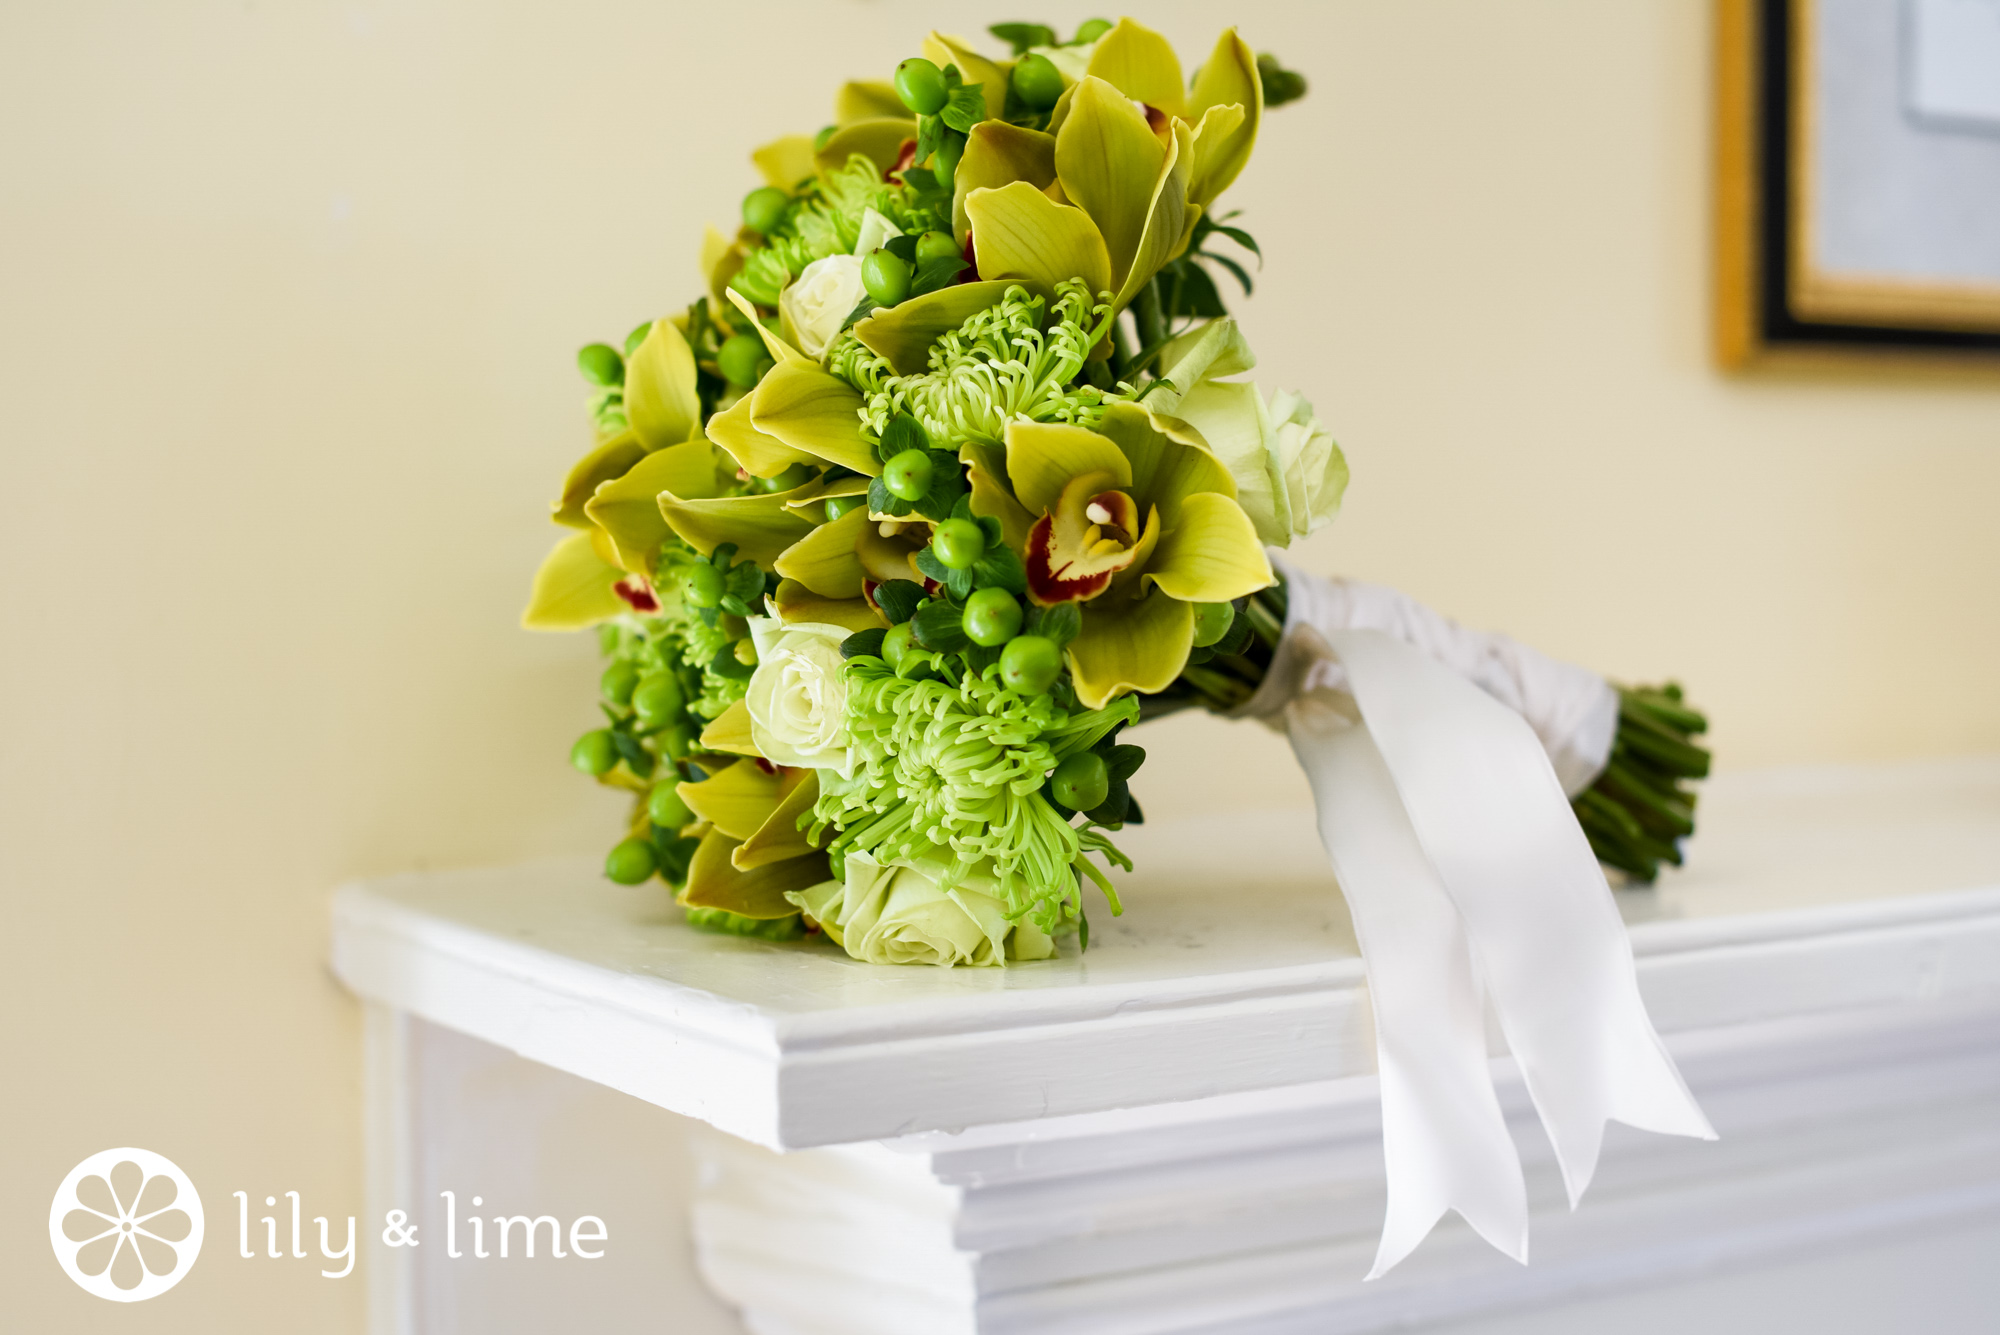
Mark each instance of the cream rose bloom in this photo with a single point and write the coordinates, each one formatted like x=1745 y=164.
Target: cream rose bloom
x=1290 y=475
x=816 y=303
x=898 y=915
x=798 y=695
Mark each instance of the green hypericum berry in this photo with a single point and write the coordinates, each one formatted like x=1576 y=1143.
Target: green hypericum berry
x=601 y=364
x=1030 y=663
x=594 y=753
x=937 y=246
x=796 y=475
x=745 y=650
x=921 y=86
x=741 y=359
x=1037 y=82
x=764 y=208
x=991 y=617
x=944 y=162
x=677 y=741
x=664 y=806
x=658 y=700
x=1211 y=622
x=836 y=506
x=886 y=277
x=896 y=645
x=702 y=585
x=1091 y=30
x=631 y=862
x=1082 y=782
x=617 y=682
x=958 y=543
x=908 y=475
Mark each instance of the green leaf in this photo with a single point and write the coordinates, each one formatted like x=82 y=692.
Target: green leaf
x=735 y=606
x=1021 y=36
x=863 y=642
x=1000 y=568
x=947 y=485
x=899 y=599
x=903 y=247
x=1242 y=278
x=882 y=501
x=1059 y=623
x=904 y=432
x=1280 y=84
x=936 y=275
x=939 y=626
x=1189 y=292
x=745 y=581
x=1241 y=238
x=979 y=657
x=965 y=108
x=927 y=562
x=636 y=757
x=1124 y=760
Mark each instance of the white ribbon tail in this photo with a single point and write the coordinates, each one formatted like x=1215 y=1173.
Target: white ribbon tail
x=1463 y=865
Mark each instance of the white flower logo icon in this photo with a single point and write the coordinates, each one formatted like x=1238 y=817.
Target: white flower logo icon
x=126 y=1224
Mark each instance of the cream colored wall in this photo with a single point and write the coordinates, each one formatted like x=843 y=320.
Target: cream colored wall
x=287 y=298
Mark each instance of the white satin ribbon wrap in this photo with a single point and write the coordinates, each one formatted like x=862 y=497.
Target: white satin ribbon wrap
x=1469 y=879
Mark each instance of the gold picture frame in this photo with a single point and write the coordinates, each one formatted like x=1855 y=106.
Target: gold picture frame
x=1779 y=298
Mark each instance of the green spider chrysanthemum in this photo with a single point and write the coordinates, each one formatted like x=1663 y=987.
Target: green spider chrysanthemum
x=952 y=769
x=1009 y=362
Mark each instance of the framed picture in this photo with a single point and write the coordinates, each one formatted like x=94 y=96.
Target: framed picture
x=1857 y=180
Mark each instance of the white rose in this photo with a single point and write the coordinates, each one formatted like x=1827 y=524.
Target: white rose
x=1290 y=475
x=817 y=303
x=896 y=914
x=798 y=695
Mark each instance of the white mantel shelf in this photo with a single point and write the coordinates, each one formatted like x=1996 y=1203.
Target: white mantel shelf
x=1812 y=893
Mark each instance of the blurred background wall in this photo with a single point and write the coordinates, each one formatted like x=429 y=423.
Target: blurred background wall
x=288 y=298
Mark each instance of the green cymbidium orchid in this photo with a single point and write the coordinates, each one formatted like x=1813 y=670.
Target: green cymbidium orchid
x=1136 y=520
x=753 y=851
x=1111 y=192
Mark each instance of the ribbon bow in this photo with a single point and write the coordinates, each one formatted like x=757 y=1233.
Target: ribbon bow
x=1469 y=879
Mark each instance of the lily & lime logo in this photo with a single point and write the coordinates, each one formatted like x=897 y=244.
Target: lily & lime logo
x=126 y=1225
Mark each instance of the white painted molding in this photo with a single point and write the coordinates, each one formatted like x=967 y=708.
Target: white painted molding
x=1222 y=977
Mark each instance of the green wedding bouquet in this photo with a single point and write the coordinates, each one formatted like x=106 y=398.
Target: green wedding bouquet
x=945 y=482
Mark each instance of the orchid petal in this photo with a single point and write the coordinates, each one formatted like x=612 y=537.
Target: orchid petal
x=781 y=351
x=756 y=453
x=611 y=458
x=779 y=838
x=730 y=732
x=1212 y=555
x=715 y=883
x=814 y=412
x=1169 y=219
x=1229 y=77
x=1129 y=644
x=879 y=140
x=736 y=799
x=1110 y=164
x=660 y=397
x=902 y=335
x=1141 y=64
x=809 y=502
x=628 y=508
x=991 y=497
x=824 y=560
x=795 y=602
x=1168 y=460
x=573 y=588
x=760 y=526
x=786 y=162
x=1043 y=456
x=867 y=100
x=998 y=154
x=887 y=558
x=1025 y=236
x=721 y=260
